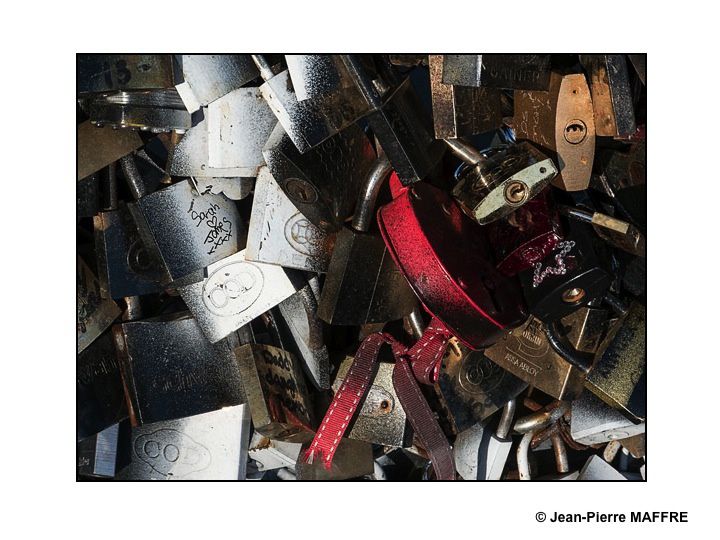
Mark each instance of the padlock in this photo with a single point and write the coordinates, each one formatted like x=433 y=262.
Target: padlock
x=279 y=234
x=87 y=195
x=616 y=232
x=459 y=111
x=190 y=231
x=513 y=71
x=126 y=267
x=624 y=179
x=445 y=257
x=561 y=121
x=323 y=182
x=269 y=454
x=618 y=375
x=97 y=454
x=530 y=426
x=381 y=419
x=635 y=445
x=315 y=76
x=208 y=77
x=593 y=422
x=596 y=468
x=526 y=353
x=397 y=121
x=276 y=393
x=98 y=148
x=481 y=454
x=94 y=313
x=310 y=122
x=170 y=370
x=472 y=387
x=298 y=318
x=99 y=388
x=234 y=292
x=208 y=446
x=496 y=182
x=363 y=284
x=102 y=73
x=571 y=276
x=353 y=459
x=612 y=98
x=526 y=236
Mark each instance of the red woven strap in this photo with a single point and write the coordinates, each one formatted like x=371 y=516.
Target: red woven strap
x=421 y=362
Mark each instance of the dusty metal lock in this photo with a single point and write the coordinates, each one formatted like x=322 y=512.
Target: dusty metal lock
x=472 y=387
x=315 y=76
x=234 y=292
x=571 y=276
x=363 y=284
x=526 y=353
x=323 y=182
x=309 y=122
x=514 y=71
x=276 y=393
x=496 y=182
x=445 y=257
x=526 y=236
x=190 y=231
x=209 y=446
x=353 y=459
x=596 y=468
x=397 y=121
x=170 y=370
x=99 y=388
x=381 y=419
x=593 y=422
x=125 y=266
x=611 y=94
x=481 y=454
x=561 y=121
x=280 y=234
x=94 y=313
x=98 y=148
x=460 y=111
x=618 y=233
x=208 y=77
x=97 y=454
x=618 y=375
x=98 y=73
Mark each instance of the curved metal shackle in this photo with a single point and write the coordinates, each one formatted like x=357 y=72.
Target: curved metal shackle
x=365 y=208
x=530 y=425
x=506 y=419
x=264 y=66
x=465 y=151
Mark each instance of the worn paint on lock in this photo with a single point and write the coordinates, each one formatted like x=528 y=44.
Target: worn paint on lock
x=594 y=422
x=514 y=71
x=94 y=313
x=211 y=76
x=611 y=94
x=110 y=72
x=560 y=120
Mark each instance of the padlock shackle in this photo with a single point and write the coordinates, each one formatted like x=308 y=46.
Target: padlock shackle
x=266 y=71
x=506 y=420
x=365 y=209
x=579 y=360
x=465 y=151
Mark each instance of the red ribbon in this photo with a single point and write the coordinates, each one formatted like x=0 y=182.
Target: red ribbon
x=421 y=362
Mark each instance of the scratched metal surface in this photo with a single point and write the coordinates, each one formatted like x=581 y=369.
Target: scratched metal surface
x=211 y=76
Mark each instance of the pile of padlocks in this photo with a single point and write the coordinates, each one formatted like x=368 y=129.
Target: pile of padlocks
x=394 y=267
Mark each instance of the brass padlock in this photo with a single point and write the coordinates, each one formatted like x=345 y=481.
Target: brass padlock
x=611 y=94
x=560 y=120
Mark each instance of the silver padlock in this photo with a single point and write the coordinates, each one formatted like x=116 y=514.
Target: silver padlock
x=234 y=292
x=315 y=76
x=593 y=422
x=596 y=468
x=94 y=313
x=269 y=454
x=279 y=234
x=97 y=454
x=209 y=446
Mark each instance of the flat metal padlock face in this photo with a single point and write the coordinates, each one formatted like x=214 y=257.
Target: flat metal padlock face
x=99 y=388
x=526 y=353
x=460 y=111
x=209 y=446
x=472 y=387
x=352 y=459
x=279 y=401
x=125 y=266
x=239 y=124
x=526 y=236
x=571 y=276
x=560 y=120
x=611 y=94
x=234 y=292
x=480 y=454
x=211 y=76
x=111 y=72
x=310 y=122
x=97 y=454
x=280 y=234
x=594 y=422
x=445 y=258
x=314 y=76
x=381 y=419
x=510 y=177
x=513 y=71
x=596 y=468
x=189 y=230
x=322 y=183
x=363 y=284
x=98 y=148
x=170 y=370
x=94 y=313
x=618 y=374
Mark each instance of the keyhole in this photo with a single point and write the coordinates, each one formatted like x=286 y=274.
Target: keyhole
x=384 y=404
x=575 y=131
x=516 y=192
